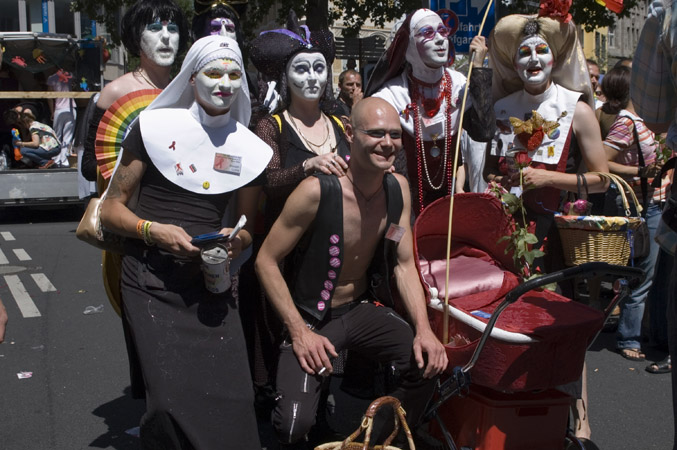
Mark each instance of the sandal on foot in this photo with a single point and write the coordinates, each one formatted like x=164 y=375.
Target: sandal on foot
x=664 y=366
x=633 y=354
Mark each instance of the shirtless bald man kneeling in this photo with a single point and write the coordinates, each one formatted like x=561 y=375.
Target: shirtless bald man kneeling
x=349 y=235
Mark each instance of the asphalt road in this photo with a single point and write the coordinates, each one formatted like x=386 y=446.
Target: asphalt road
x=77 y=396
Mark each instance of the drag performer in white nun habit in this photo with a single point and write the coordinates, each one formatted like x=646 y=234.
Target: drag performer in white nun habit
x=413 y=77
x=189 y=154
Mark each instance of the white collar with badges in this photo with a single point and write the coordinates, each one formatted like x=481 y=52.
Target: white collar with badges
x=555 y=104
x=201 y=153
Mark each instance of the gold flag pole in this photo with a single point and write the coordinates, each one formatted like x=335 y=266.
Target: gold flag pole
x=445 y=319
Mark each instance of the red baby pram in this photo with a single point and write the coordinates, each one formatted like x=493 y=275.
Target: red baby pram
x=537 y=343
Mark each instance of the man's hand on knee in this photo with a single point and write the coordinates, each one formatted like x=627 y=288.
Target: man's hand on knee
x=313 y=352
x=426 y=342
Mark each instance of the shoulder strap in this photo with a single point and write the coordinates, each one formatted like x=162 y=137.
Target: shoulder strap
x=279 y=121
x=395 y=204
x=640 y=157
x=338 y=122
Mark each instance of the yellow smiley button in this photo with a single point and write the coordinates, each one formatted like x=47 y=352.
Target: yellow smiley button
x=205 y=185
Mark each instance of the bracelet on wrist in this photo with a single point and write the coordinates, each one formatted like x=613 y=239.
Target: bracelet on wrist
x=139 y=228
x=303 y=166
x=147 y=239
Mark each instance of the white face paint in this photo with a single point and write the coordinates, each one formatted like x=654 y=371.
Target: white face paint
x=160 y=42
x=432 y=48
x=222 y=26
x=307 y=75
x=216 y=85
x=533 y=62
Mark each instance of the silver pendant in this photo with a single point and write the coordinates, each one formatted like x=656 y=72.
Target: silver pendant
x=435 y=151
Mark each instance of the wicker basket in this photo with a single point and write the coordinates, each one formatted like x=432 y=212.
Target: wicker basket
x=366 y=427
x=593 y=238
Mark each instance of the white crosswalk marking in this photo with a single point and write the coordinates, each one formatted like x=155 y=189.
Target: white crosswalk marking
x=3 y=258
x=21 y=254
x=6 y=235
x=43 y=282
x=23 y=300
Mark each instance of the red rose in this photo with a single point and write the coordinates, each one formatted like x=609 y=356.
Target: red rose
x=531 y=141
x=503 y=165
x=522 y=159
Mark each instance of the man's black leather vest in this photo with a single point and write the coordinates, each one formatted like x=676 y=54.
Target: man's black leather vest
x=319 y=257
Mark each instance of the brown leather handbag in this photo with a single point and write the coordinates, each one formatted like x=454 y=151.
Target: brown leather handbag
x=366 y=428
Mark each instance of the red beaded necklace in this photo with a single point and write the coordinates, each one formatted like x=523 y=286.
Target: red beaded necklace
x=431 y=106
x=421 y=161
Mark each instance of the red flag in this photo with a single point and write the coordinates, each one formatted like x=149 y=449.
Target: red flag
x=612 y=5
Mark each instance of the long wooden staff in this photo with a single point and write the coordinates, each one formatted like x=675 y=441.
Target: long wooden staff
x=445 y=319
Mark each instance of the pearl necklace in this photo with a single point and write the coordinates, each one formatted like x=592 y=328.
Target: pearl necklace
x=422 y=163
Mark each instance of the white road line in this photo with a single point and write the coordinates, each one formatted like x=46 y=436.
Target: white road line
x=3 y=258
x=6 y=235
x=21 y=254
x=43 y=282
x=23 y=300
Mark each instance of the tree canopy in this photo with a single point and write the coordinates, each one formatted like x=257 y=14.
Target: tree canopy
x=353 y=13
x=587 y=14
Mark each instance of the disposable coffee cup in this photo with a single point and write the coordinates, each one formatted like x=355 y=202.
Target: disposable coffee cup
x=216 y=269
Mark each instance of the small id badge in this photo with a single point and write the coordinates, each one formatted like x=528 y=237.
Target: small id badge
x=395 y=232
x=229 y=164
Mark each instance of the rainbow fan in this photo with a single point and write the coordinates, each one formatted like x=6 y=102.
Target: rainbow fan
x=115 y=124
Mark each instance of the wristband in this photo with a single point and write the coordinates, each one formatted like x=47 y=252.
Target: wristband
x=303 y=166
x=139 y=228
x=147 y=239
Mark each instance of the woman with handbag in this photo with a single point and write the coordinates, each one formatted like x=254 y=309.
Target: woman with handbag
x=631 y=150
x=189 y=154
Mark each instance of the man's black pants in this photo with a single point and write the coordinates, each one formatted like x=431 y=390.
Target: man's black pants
x=376 y=332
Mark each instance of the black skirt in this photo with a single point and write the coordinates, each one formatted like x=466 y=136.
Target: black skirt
x=192 y=353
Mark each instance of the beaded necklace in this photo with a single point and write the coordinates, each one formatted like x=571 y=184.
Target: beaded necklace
x=421 y=161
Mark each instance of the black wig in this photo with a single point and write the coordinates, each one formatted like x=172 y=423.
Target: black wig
x=144 y=12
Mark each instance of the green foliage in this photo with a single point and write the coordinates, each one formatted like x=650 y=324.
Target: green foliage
x=520 y=241
x=107 y=12
x=354 y=13
x=588 y=14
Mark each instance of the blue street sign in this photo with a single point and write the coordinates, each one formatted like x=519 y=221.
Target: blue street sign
x=45 y=16
x=465 y=16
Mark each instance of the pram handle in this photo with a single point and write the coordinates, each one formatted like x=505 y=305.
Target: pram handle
x=632 y=274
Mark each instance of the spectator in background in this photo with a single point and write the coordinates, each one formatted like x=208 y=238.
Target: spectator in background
x=43 y=145
x=655 y=98
x=350 y=92
x=593 y=70
x=63 y=114
x=622 y=150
